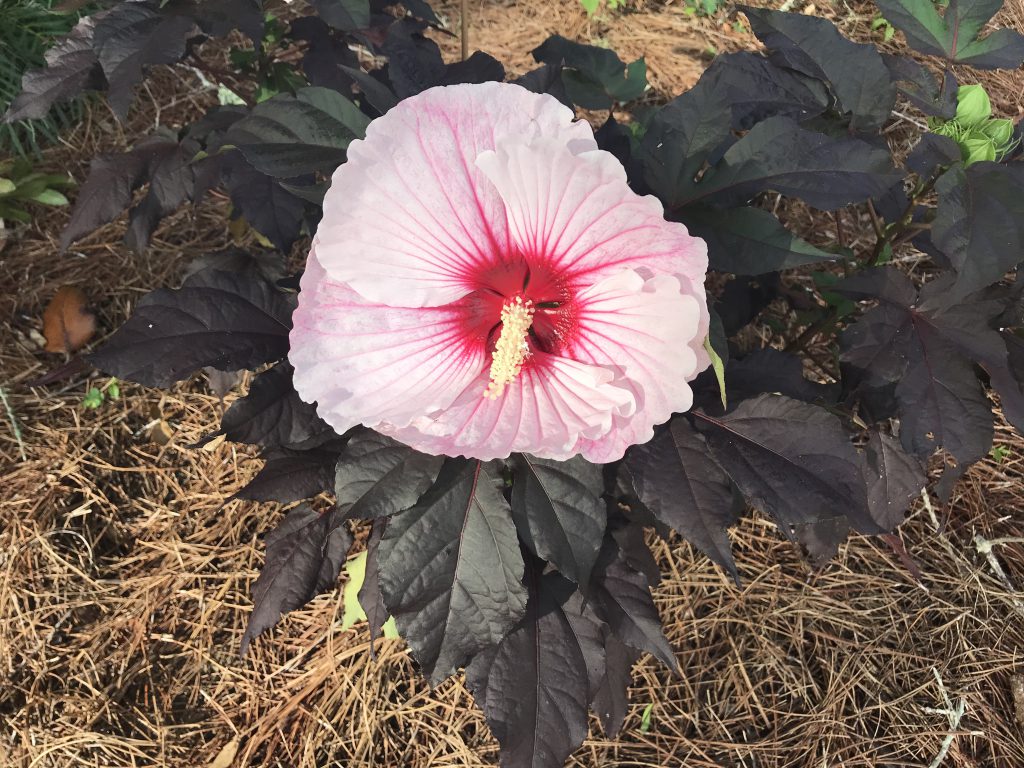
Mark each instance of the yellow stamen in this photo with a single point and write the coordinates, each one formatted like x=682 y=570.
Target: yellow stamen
x=511 y=349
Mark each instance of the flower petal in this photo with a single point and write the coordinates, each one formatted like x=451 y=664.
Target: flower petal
x=410 y=215
x=575 y=212
x=649 y=331
x=544 y=411
x=363 y=363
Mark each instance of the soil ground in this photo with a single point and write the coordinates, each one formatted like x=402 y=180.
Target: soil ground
x=125 y=573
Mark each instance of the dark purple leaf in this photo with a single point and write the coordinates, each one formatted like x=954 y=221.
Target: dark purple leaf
x=932 y=153
x=1008 y=380
x=421 y=10
x=979 y=225
x=218 y=17
x=535 y=687
x=478 y=68
x=813 y=46
x=451 y=570
x=377 y=93
x=771 y=370
x=559 y=513
x=263 y=202
x=630 y=538
x=348 y=15
x=680 y=483
x=954 y=36
x=546 y=78
x=680 y=137
x=135 y=35
x=272 y=415
x=268 y=264
x=71 y=68
x=942 y=403
x=894 y=480
x=219 y=319
x=289 y=476
x=593 y=77
x=107 y=192
x=289 y=136
x=924 y=346
x=611 y=702
x=377 y=476
x=369 y=596
x=622 y=598
x=304 y=556
x=750 y=241
x=917 y=83
x=795 y=462
x=171 y=183
x=778 y=155
x=757 y=89
x=328 y=57
x=414 y=61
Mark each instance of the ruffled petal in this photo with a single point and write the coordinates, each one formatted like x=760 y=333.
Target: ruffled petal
x=363 y=363
x=544 y=411
x=410 y=216
x=576 y=213
x=647 y=331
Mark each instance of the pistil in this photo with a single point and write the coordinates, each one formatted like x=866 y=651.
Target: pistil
x=511 y=349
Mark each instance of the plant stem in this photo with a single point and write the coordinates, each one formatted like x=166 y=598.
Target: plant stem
x=823 y=323
x=899 y=227
x=465 y=29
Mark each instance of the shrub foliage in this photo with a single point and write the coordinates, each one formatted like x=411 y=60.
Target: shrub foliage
x=530 y=574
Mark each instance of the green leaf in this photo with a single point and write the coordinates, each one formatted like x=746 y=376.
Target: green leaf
x=15 y=214
x=972 y=106
x=226 y=96
x=590 y=6
x=1000 y=131
x=719 y=368
x=978 y=149
x=351 y=610
x=113 y=390
x=50 y=197
x=645 y=718
x=6 y=186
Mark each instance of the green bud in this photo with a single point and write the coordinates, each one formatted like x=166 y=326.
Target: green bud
x=972 y=105
x=976 y=148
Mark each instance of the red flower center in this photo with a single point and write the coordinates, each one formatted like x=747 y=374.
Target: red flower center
x=552 y=297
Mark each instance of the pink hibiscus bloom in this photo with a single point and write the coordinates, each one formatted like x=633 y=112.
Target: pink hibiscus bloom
x=484 y=281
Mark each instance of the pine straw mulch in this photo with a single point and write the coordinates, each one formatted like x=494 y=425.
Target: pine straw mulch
x=125 y=574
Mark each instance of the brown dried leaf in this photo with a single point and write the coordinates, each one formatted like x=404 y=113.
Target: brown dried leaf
x=67 y=322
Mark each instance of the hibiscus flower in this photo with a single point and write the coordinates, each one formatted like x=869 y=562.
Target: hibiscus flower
x=485 y=281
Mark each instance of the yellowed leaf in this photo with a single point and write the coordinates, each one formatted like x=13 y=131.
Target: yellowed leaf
x=226 y=757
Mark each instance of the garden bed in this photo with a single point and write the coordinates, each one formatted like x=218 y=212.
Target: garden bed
x=125 y=568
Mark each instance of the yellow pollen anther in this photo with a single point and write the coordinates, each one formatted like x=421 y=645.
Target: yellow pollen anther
x=511 y=349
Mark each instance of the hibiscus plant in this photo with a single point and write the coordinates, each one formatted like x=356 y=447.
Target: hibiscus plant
x=517 y=342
